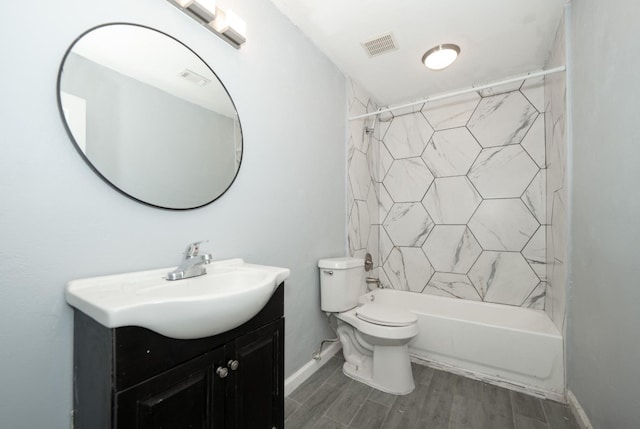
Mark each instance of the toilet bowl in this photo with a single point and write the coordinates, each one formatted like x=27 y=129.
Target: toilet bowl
x=376 y=352
x=374 y=337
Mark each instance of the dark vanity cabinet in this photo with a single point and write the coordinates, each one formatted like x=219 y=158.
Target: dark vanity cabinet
x=133 y=378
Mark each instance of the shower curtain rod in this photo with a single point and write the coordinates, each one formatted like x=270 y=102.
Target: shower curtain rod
x=463 y=91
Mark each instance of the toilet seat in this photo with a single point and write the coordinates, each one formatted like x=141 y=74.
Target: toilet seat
x=385 y=315
x=377 y=329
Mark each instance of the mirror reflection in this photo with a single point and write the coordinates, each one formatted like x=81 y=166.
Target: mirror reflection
x=149 y=116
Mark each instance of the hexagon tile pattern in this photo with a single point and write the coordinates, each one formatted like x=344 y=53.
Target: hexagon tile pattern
x=535 y=198
x=359 y=175
x=359 y=224
x=408 y=269
x=502 y=172
x=451 y=248
x=503 y=224
x=451 y=112
x=380 y=163
x=451 y=152
x=356 y=128
x=535 y=252
x=502 y=119
x=408 y=224
x=452 y=286
x=451 y=200
x=534 y=142
x=536 y=299
x=407 y=135
x=503 y=277
x=362 y=233
x=408 y=179
x=386 y=245
x=458 y=212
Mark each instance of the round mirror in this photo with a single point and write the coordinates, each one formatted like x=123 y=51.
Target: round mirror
x=149 y=116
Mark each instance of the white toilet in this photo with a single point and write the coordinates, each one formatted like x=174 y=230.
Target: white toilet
x=374 y=337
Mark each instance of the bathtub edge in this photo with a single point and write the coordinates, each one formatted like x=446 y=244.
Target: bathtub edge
x=493 y=380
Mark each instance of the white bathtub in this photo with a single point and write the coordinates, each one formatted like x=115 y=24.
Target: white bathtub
x=515 y=347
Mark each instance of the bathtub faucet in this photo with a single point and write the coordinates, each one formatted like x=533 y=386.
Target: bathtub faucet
x=192 y=265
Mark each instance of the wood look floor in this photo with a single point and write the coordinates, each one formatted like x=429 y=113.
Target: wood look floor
x=331 y=400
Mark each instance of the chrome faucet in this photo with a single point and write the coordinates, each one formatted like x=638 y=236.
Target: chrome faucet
x=192 y=265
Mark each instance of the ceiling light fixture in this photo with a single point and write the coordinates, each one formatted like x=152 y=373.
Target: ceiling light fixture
x=441 y=56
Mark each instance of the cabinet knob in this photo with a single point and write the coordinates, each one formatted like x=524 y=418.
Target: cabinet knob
x=222 y=372
x=233 y=364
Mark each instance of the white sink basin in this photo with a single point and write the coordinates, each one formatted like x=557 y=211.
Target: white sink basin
x=230 y=294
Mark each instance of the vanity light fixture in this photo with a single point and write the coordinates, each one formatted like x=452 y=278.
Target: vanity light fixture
x=224 y=23
x=204 y=10
x=230 y=25
x=441 y=56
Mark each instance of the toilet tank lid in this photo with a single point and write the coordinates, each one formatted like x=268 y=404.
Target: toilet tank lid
x=340 y=263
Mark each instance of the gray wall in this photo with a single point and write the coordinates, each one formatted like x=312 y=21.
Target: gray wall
x=153 y=145
x=604 y=316
x=59 y=221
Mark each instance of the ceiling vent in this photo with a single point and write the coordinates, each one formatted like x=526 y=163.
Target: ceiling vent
x=380 y=45
x=194 y=77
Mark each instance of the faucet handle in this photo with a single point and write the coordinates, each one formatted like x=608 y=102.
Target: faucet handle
x=193 y=249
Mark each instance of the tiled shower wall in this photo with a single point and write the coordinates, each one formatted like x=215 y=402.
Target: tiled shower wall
x=450 y=197
x=555 y=124
x=362 y=161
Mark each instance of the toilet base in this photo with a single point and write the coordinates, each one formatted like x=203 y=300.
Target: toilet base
x=388 y=370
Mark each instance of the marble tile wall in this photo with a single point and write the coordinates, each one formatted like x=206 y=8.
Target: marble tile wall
x=454 y=194
x=362 y=162
x=556 y=194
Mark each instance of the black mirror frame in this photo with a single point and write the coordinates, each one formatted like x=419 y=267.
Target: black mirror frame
x=90 y=164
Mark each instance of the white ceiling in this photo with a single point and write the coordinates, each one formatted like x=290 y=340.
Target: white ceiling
x=498 y=39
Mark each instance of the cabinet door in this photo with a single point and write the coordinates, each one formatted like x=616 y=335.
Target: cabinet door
x=190 y=395
x=259 y=380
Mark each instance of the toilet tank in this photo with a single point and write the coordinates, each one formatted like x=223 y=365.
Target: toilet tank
x=340 y=283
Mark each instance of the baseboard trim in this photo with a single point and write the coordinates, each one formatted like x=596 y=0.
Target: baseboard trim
x=578 y=411
x=292 y=382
